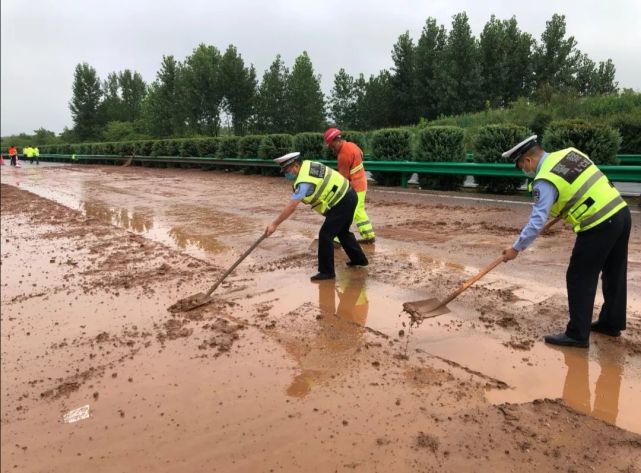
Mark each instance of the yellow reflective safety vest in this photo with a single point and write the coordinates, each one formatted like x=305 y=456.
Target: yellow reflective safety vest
x=586 y=196
x=329 y=186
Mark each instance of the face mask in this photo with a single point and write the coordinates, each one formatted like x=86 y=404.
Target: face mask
x=290 y=176
x=530 y=174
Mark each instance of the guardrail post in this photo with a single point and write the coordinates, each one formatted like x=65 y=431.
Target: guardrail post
x=404 y=180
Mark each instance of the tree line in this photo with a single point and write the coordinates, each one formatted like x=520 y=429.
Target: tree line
x=443 y=72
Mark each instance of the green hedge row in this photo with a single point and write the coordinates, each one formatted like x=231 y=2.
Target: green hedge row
x=490 y=142
x=600 y=142
x=431 y=143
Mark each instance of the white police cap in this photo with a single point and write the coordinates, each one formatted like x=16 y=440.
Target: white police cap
x=515 y=153
x=288 y=159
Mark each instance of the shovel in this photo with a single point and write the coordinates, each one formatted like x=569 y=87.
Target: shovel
x=427 y=308
x=200 y=299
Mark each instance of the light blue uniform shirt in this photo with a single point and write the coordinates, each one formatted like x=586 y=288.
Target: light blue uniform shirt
x=545 y=194
x=302 y=190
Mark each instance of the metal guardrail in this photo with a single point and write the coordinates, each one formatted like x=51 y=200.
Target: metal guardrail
x=621 y=173
x=629 y=159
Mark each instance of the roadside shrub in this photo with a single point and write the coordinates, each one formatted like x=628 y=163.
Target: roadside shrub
x=172 y=147
x=143 y=148
x=248 y=146
x=441 y=144
x=84 y=148
x=310 y=145
x=159 y=148
x=391 y=144
x=629 y=127
x=207 y=146
x=188 y=148
x=274 y=146
x=127 y=148
x=491 y=141
x=599 y=142
x=228 y=147
x=108 y=148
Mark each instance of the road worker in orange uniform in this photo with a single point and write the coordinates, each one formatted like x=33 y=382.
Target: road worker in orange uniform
x=13 y=155
x=350 y=164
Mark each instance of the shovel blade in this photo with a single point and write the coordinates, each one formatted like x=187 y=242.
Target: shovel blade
x=424 y=309
x=190 y=303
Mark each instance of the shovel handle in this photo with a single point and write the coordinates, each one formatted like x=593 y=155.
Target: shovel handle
x=473 y=279
x=550 y=224
x=233 y=266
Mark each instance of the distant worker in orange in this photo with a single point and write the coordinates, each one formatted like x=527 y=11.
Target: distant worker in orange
x=350 y=164
x=13 y=155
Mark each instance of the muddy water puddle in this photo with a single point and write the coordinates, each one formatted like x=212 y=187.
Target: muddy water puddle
x=157 y=207
x=533 y=370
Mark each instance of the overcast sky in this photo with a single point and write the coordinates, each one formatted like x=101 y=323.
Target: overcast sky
x=43 y=40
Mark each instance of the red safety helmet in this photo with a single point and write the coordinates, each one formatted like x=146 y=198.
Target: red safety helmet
x=331 y=134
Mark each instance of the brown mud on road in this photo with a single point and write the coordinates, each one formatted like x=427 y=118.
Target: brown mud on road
x=277 y=373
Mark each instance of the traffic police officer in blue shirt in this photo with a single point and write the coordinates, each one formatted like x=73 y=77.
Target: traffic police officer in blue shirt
x=568 y=185
x=329 y=194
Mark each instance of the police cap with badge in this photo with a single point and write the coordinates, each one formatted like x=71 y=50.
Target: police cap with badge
x=287 y=159
x=519 y=150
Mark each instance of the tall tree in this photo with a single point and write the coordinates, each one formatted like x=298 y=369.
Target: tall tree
x=585 y=75
x=376 y=104
x=343 y=100
x=306 y=101
x=504 y=62
x=239 y=88
x=493 y=52
x=604 y=78
x=111 y=105
x=405 y=111
x=203 y=93
x=132 y=90
x=556 y=58
x=518 y=63
x=163 y=111
x=272 y=103
x=85 y=102
x=428 y=57
x=460 y=72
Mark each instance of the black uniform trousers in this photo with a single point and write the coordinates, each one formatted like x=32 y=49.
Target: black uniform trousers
x=338 y=219
x=602 y=249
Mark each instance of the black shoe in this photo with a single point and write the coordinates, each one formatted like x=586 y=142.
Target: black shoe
x=352 y=263
x=597 y=327
x=367 y=241
x=322 y=277
x=563 y=340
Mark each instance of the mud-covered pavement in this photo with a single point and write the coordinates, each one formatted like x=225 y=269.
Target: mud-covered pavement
x=278 y=373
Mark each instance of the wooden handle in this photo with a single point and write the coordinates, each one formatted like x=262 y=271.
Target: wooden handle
x=473 y=279
x=550 y=224
x=233 y=266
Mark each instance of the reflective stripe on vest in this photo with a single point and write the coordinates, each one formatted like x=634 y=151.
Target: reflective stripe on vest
x=329 y=186
x=355 y=169
x=585 y=195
